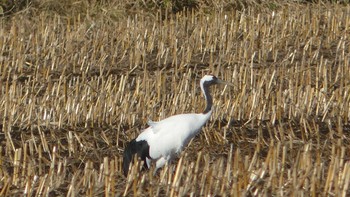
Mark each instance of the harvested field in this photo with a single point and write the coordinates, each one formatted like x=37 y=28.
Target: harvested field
x=74 y=88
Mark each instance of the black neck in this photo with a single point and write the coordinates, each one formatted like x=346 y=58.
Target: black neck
x=208 y=98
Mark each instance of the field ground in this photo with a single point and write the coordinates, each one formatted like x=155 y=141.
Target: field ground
x=78 y=80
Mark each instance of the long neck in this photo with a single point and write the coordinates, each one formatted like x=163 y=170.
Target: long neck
x=208 y=98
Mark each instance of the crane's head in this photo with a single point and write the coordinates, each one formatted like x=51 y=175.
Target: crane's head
x=205 y=83
x=209 y=80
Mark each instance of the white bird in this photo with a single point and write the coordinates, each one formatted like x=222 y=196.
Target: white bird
x=163 y=140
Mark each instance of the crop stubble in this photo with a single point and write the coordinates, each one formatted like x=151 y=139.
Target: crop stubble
x=74 y=90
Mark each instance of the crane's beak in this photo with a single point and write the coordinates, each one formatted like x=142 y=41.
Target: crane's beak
x=219 y=81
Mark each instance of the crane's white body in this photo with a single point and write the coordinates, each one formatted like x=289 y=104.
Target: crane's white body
x=168 y=137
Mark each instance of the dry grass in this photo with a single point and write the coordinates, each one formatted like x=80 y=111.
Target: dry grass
x=75 y=89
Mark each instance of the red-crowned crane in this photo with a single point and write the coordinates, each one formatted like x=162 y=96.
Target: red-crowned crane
x=162 y=140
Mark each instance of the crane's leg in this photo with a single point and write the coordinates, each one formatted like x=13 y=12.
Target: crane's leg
x=160 y=163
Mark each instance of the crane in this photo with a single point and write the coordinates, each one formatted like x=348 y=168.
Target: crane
x=163 y=140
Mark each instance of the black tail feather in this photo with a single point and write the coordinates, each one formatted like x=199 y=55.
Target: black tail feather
x=140 y=148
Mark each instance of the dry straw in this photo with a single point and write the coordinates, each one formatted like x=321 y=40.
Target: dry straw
x=74 y=90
